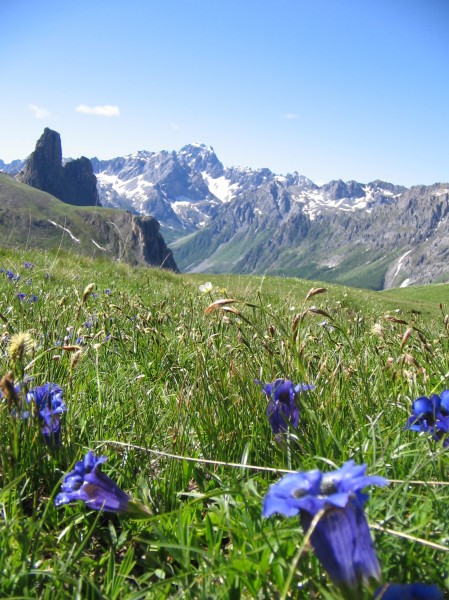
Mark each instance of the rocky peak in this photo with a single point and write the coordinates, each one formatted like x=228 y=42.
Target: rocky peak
x=48 y=148
x=73 y=183
x=296 y=180
x=201 y=158
x=337 y=190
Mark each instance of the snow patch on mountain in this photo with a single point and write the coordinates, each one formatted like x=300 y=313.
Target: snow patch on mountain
x=221 y=187
x=400 y=261
x=315 y=201
x=118 y=193
x=64 y=229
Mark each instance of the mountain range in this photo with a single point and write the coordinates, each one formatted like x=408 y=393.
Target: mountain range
x=374 y=235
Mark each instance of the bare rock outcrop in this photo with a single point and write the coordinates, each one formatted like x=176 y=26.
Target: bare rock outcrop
x=73 y=183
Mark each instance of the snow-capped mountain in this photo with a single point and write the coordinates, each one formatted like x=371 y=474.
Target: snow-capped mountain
x=183 y=189
x=241 y=220
x=238 y=219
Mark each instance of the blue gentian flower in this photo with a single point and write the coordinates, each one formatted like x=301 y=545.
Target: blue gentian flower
x=87 y=483
x=408 y=591
x=49 y=404
x=44 y=403
x=282 y=408
x=431 y=415
x=28 y=265
x=341 y=537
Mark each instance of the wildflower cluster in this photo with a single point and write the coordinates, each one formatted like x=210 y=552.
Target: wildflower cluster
x=45 y=405
x=15 y=278
x=330 y=505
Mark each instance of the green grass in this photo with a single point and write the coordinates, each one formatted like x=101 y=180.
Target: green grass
x=166 y=392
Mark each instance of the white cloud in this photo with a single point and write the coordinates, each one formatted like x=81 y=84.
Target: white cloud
x=289 y=116
x=38 y=111
x=107 y=110
x=175 y=126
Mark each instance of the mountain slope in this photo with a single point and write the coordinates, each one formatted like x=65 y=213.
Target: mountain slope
x=31 y=218
x=392 y=244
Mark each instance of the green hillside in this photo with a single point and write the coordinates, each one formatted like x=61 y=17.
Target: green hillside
x=25 y=215
x=30 y=218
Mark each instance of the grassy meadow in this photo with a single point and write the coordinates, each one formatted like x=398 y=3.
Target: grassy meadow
x=165 y=390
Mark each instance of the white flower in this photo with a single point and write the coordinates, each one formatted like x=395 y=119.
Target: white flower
x=206 y=288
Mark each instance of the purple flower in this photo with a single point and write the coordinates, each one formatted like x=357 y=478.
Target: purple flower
x=282 y=408
x=89 y=484
x=21 y=296
x=28 y=265
x=341 y=537
x=408 y=591
x=43 y=403
x=431 y=415
x=49 y=404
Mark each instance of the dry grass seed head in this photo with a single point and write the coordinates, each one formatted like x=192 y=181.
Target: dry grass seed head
x=20 y=346
x=87 y=291
x=8 y=390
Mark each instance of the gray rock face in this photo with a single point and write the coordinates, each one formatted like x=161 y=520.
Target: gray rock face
x=373 y=234
x=73 y=183
x=133 y=238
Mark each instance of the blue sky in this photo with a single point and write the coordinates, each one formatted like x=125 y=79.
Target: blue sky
x=350 y=89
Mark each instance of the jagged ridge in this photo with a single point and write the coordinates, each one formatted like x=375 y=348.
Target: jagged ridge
x=240 y=220
x=253 y=221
